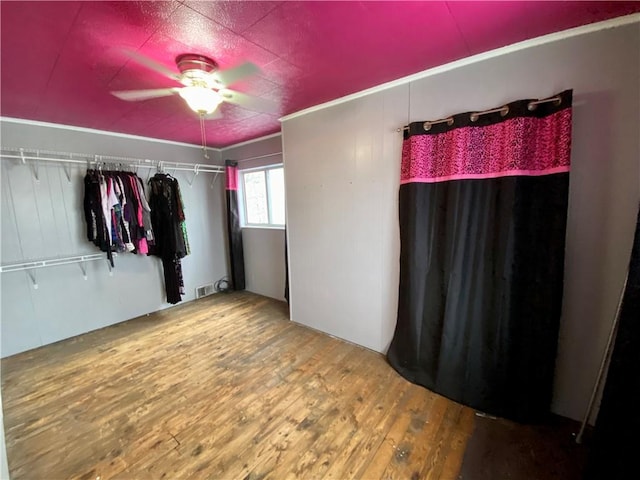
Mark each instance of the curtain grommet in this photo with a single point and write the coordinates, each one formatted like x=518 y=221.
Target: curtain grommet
x=426 y=126
x=504 y=111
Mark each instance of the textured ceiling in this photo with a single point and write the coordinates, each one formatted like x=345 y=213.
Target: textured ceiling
x=61 y=59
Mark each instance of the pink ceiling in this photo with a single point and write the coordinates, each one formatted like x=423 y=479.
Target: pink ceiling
x=60 y=59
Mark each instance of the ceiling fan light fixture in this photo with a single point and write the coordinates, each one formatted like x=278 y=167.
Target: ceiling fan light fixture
x=196 y=70
x=200 y=99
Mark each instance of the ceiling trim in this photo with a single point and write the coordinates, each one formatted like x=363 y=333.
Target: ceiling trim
x=515 y=47
x=248 y=142
x=74 y=128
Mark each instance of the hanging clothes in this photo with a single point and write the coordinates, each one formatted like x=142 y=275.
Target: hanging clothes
x=170 y=233
x=114 y=207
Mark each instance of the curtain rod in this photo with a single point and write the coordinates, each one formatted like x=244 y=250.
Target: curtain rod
x=475 y=115
x=24 y=155
x=257 y=157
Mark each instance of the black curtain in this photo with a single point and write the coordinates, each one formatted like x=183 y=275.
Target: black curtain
x=234 y=231
x=286 y=267
x=483 y=206
x=615 y=443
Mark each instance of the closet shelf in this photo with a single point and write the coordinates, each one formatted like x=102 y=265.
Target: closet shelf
x=83 y=159
x=51 y=262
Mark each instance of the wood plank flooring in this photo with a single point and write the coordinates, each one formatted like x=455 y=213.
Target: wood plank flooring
x=223 y=387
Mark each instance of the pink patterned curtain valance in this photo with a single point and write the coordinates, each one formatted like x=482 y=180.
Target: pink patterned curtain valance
x=522 y=142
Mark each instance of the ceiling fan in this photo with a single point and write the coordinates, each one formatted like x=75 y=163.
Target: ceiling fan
x=204 y=84
x=204 y=87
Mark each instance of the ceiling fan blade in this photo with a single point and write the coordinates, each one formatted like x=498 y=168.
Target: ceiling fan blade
x=249 y=102
x=135 y=95
x=233 y=74
x=152 y=64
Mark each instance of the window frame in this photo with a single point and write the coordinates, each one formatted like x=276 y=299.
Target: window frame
x=241 y=191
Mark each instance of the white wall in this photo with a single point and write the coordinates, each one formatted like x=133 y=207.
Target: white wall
x=342 y=173
x=45 y=219
x=342 y=176
x=264 y=261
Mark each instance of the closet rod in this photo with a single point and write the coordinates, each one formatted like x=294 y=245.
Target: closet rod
x=51 y=262
x=85 y=159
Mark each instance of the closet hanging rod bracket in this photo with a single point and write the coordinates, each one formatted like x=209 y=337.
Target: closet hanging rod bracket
x=34 y=170
x=83 y=267
x=214 y=180
x=196 y=170
x=34 y=166
x=32 y=276
x=67 y=171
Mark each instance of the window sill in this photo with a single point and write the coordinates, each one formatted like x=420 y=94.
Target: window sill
x=263 y=227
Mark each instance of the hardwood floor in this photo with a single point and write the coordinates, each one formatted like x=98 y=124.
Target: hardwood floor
x=223 y=387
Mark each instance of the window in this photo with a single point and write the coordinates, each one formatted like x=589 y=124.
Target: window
x=263 y=196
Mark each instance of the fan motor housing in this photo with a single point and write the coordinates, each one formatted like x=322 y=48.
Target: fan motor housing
x=192 y=61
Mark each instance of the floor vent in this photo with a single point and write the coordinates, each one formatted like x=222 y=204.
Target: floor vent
x=204 y=290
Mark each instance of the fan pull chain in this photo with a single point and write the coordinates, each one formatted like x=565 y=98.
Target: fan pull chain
x=203 y=134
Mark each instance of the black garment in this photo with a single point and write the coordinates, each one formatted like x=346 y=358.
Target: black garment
x=167 y=213
x=94 y=216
